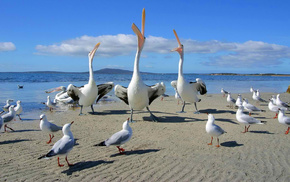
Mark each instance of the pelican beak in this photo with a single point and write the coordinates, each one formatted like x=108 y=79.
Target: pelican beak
x=53 y=90
x=180 y=46
x=140 y=35
x=92 y=53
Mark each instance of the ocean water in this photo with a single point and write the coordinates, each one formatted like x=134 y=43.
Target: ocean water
x=35 y=84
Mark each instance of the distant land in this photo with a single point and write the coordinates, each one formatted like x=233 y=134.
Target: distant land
x=121 y=71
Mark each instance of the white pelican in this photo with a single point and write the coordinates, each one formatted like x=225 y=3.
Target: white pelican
x=187 y=90
x=138 y=95
x=63 y=146
x=62 y=96
x=119 y=138
x=87 y=95
x=213 y=130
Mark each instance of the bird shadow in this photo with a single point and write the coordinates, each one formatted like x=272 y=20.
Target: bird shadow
x=133 y=152
x=231 y=144
x=20 y=131
x=22 y=119
x=106 y=112
x=84 y=165
x=173 y=119
x=215 y=111
x=261 y=132
x=13 y=141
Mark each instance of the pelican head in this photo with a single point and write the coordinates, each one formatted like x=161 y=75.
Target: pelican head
x=92 y=53
x=179 y=49
x=140 y=35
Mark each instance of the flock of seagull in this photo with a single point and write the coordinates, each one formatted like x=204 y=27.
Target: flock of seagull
x=137 y=96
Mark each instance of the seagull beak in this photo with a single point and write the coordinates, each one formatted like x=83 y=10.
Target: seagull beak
x=72 y=122
x=92 y=53
x=141 y=37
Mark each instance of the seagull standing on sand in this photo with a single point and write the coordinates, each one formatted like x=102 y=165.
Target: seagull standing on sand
x=8 y=104
x=18 y=109
x=62 y=146
x=8 y=117
x=246 y=119
x=119 y=138
x=187 y=90
x=224 y=92
x=138 y=95
x=49 y=127
x=249 y=107
x=274 y=108
x=257 y=98
x=87 y=95
x=231 y=100
x=213 y=130
x=50 y=104
x=283 y=119
x=239 y=100
x=252 y=90
x=280 y=103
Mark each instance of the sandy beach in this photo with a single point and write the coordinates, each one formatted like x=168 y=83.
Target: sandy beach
x=174 y=149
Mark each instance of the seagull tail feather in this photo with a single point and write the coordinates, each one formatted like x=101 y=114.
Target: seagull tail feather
x=101 y=144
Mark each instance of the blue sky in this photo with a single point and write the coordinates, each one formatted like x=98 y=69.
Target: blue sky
x=240 y=36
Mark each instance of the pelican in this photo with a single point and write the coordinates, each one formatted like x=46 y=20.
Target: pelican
x=187 y=90
x=87 y=95
x=62 y=96
x=138 y=95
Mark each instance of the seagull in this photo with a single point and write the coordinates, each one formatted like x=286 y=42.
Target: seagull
x=138 y=95
x=8 y=117
x=280 y=103
x=49 y=127
x=246 y=119
x=257 y=98
x=187 y=90
x=62 y=146
x=1 y=122
x=213 y=130
x=231 y=100
x=50 y=104
x=177 y=96
x=119 y=138
x=274 y=108
x=273 y=98
x=8 y=104
x=253 y=90
x=239 y=100
x=87 y=95
x=284 y=119
x=18 y=109
x=249 y=107
x=224 y=92
x=20 y=86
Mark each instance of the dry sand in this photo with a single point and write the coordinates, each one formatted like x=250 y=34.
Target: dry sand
x=174 y=149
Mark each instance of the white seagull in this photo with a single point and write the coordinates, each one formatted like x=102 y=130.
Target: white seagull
x=87 y=95
x=63 y=146
x=8 y=117
x=213 y=130
x=18 y=109
x=224 y=92
x=249 y=107
x=138 y=95
x=274 y=108
x=246 y=119
x=119 y=138
x=252 y=90
x=187 y=90
x=50 y=104
x=283 y=119
x=239 y=100
x=256 y=96
x=7 y=105
x=280 y=103
x=231 y=100
x=48 y=127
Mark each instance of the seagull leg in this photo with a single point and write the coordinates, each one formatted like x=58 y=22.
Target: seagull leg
x=250 y=113
x=69 y=164
x=275 y=116
x=50 y=138
x=248 y=128
x=210 y=141
x=121 y=150
x=154 y=118
x=196 y=112
x=287 y=131
x=19 y=117
x=218 y=141
x=245 y=129
x=5 y=126
x=60 y=165
x=182 y=110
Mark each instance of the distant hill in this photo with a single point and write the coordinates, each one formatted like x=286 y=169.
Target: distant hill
x=112 y=71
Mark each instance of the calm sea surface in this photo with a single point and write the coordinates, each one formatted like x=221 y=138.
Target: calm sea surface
x=35 y=84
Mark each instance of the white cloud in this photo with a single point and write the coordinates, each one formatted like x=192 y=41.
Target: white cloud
x=7 y=46
x=233 y=54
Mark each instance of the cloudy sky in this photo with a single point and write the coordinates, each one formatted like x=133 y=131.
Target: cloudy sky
x=240 y=36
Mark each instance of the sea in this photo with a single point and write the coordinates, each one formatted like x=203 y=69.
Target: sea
x=36 y=83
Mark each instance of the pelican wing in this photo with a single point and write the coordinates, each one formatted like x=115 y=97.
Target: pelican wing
x=121 y=93
x=199 y=86
x=103 y=89
x=74 y=91
x=155 y=91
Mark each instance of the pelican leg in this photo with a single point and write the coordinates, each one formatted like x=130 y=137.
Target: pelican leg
x=131 y=117
x=81 y=111
x=154 y=118
x=196 y=112
x=182 y=110
x=92 y=109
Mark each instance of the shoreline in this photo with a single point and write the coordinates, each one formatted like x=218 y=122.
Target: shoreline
x=174 y=149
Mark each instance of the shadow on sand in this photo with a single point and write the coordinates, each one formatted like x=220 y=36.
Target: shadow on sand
x=13 y=141
x=138 y=152
x=231 y=144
